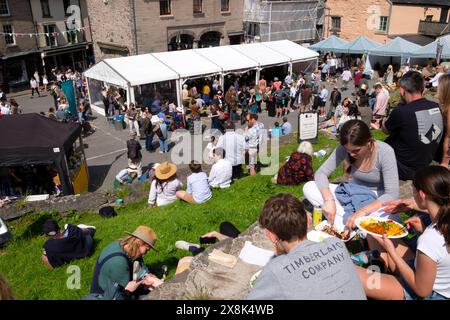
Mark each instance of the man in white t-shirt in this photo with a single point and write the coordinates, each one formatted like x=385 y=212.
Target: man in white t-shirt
x=34 y=87
x=4 y=108
x=221 y=172
x=233 y=143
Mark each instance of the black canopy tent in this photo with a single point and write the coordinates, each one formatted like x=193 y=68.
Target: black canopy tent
x=33 y=139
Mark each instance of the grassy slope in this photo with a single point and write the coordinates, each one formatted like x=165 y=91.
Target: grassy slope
x=20 y=260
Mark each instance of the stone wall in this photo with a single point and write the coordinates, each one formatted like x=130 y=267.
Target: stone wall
x=21 y=20
x=155 y=31
x=357 y=18
x=110 y=23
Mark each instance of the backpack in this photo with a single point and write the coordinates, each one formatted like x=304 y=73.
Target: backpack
x=132 y=149
x=113 y=290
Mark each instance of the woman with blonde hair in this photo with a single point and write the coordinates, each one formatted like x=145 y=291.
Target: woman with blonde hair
x=444 y=99
x=120 y=271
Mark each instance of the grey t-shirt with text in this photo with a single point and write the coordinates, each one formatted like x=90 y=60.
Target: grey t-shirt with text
x=310 y=271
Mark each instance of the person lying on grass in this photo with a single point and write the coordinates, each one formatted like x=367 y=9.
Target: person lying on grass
x=74 y=242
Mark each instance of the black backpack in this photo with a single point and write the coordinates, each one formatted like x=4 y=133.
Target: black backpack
x=133 y=152
x=107 y=212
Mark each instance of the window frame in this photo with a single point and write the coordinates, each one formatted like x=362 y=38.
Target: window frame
x=169 y=7
x=194 y=2
x=333 y=27
x=5 y=36
x=48 y=39
x=221 y=5
x=49 y=15
x=7 y=8
x=386 y=21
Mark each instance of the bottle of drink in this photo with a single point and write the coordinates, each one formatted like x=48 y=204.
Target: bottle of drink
x=363 y=258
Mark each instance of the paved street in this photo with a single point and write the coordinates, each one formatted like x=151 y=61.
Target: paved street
x=106 y=148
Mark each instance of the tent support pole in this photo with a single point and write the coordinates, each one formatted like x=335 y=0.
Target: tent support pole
x=290 y=69
x=258 y=74
x=133 y=100
x=222 y=81
x=128 y=95
x=178 y=88
x=89 y=90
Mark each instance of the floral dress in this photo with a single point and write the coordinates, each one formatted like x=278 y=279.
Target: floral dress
x=298 y=169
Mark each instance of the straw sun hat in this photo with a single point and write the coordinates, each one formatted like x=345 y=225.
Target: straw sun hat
x=146 y=234
x=165 y=170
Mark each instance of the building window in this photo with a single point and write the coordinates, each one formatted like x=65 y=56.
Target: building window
x=383 y=23
x=4 y=9
x=66 y=4
x=198 y=6
x=72 y=35
x=165 y=8
x=9 y=37
x=336 y=23
x=429 y=18
x=45 y=9
x=50 y=35
x=225 y=5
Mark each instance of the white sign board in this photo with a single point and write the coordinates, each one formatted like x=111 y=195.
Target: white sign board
x=308 y=125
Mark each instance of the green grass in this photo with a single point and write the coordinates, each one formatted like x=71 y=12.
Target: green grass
x=20 y=259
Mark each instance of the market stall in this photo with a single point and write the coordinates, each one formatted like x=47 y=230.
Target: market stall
x=37 y=147
x=166 y=72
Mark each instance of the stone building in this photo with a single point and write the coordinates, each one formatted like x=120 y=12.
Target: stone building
x=124 y=27
x=350 y=19
x=65 y=37
x=420 y=21
x=18 y=53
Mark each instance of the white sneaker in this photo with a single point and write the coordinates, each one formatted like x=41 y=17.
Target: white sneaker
x=83 y=226
x=161 y=152
x=184 y=245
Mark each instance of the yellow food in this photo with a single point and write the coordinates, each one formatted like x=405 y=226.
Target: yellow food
x=388 y=227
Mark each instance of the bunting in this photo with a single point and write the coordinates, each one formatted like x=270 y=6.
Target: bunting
x=38 y=34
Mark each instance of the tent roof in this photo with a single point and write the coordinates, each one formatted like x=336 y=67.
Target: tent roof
x=294 y=51
x=429 y=51
x=34 y=136
x=329 y=44
x=397 y=47
x=227 y=58
x=136 y=70
x=360 y=45
x=102 y=71
x=193 y=63
x=262 y=53
x=187 y=63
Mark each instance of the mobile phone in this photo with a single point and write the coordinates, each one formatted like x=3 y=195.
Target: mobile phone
x=208 y=240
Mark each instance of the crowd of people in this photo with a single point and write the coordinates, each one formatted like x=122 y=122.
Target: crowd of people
x=417 y=149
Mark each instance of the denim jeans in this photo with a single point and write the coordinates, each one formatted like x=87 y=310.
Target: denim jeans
x=163 y=146
x=149 y=142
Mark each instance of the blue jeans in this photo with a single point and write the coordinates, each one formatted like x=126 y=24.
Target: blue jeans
x=163 y=146
x=149 y=142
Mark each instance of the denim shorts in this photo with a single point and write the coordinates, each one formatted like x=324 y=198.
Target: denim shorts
x=409 y=294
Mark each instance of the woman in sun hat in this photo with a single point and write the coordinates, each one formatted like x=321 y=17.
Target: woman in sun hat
x=165 y=185
x=117 y=268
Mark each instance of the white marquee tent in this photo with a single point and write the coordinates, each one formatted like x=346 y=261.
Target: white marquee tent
x=128 y=72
